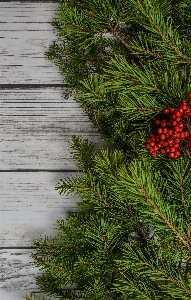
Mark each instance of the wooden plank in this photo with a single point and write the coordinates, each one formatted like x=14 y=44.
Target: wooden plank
x=18 y=275
x=30 y=206
x=36 y=128
x=26 y=34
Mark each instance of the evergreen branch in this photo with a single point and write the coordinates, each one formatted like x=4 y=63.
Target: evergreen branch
x=120 y=16
x=138 y=187
x=98 y=195
x=54 y=266
x=161 y=271
x=188 y=223
x=168 y=223
x=126 y=45
x=77 y=25
x=95 y=116
x=168 y=42
x=105 y=242
x=138 y=224
x=162 y=57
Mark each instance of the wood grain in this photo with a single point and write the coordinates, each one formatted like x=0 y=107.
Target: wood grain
x=26 y=34
x=36 y=128
x=30 y=206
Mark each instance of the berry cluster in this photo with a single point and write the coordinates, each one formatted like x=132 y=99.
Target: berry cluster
x=170 y=132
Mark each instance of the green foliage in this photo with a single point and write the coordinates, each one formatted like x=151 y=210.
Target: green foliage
x=94 y=248
x=124 y=62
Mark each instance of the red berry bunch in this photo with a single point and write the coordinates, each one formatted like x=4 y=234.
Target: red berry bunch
x=170 y=132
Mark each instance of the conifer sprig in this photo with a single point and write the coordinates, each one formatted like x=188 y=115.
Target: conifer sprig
x=94 y=248
x=125 y=61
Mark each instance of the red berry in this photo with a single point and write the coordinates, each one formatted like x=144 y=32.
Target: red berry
x=147 y=146
x=189 y=95
x=177 y=141
x=154 y=154
x=159 y=145
x=157 y=139
x=174 y=123
x=170 y=141
x=182 y=135
x=171 y=155
x=186 y=134
x=162 y=136
x=152 y=144
x=163 y=123
x=172 y=110
x=184 y=107
x=170 y=132
x=162 y=151
x=166 y=111
x=164 y=130
x=178 y=119
x=152 y=137
x=176 y=134
x=180 y=110
x=172 y=149
x=167 y=149
x=159 y=130
x=177 y=153
x=183 y=102
x=157 y=122
x=177 y=128
x=165 y=143
x=176 y=146
x=178 y=113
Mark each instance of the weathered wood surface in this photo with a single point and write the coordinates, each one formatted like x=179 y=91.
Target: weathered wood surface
x=18 y=275
x=30 y=206
x=25 y=35
x=36 y=128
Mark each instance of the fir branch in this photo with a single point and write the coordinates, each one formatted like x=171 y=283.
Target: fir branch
x=163 y=217
x=120 y=16
x=95 y=116
x=168 y=42
x=126 y=45
x=188 y=222
x=97 y=194
x=54 y=266
x=138 y=224
x=162 y=57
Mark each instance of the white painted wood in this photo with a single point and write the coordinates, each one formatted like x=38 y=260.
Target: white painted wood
x=18 y=275
x=30 y=206
x=25 y=35
x=36 y=128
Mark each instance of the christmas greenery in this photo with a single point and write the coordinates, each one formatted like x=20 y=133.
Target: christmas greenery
x=126 y=62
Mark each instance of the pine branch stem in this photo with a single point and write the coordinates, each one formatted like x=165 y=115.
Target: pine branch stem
x=97 y=195
x=168 y=42
x=188 y=223
x=162 y=57
x=138 y=224
x=120 y=16
x=176 y=282
x=168 y=223
x=125 y=44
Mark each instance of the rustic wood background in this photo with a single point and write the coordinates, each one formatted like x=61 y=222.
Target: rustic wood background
x=36 y=128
